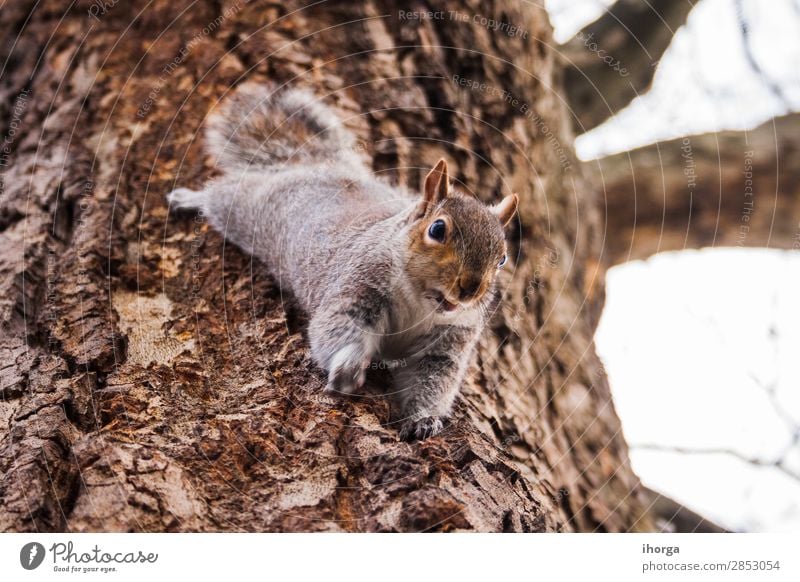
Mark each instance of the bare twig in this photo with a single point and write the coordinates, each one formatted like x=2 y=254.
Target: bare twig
x=773 y=87
x=756 y=461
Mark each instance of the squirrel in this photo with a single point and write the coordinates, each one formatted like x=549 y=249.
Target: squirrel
x=385 y=275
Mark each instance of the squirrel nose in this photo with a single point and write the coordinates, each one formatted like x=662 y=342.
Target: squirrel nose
x=468 y=289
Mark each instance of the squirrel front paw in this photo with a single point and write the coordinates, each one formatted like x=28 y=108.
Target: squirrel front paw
x=348 y=370
x=421 y=429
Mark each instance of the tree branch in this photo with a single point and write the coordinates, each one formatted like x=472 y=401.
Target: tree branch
x=717 y=189
x=613 y=59
x=673 y=517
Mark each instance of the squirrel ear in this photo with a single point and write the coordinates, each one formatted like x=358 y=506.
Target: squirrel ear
x=437 y=187
x=506 y=208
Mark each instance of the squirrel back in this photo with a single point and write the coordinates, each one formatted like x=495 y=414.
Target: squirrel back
x=259 y=130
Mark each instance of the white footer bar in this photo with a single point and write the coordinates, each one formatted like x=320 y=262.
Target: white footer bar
x=401 y=557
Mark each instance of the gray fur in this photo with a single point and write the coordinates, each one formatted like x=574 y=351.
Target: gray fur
x=257 y=130
x=302 y=202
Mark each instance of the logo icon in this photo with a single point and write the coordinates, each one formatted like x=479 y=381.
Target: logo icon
x=31 y=555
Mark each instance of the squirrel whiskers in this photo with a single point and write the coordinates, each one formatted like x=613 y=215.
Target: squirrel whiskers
x=384 y=275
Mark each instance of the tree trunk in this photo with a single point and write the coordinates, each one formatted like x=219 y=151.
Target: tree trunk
x=154 y=379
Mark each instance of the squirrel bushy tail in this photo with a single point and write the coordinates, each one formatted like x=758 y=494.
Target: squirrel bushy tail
x=258 y=129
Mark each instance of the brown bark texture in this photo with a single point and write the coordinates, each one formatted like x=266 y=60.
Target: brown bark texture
x=154 y=378
x=728 y=188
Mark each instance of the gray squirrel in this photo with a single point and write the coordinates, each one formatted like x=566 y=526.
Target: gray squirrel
x=385 y=275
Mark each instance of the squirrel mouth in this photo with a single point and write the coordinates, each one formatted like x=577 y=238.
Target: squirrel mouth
x=444 y=304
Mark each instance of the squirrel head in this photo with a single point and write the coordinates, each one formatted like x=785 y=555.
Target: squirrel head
x=456 y=244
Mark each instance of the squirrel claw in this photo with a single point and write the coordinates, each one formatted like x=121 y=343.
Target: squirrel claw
x=348 y=374
x=341 y=385
x=421 y=429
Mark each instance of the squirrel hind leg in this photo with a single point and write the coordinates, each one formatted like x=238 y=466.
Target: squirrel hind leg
x=185 y=199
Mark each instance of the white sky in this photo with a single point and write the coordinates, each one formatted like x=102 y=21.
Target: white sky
x=686 y=340
x=690 y=339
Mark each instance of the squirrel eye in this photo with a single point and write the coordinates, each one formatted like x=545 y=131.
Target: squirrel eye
x=502 y=262
x=436 y=230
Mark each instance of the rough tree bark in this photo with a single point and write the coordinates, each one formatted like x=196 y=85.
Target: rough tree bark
x=153 y=378
x=717 y=189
